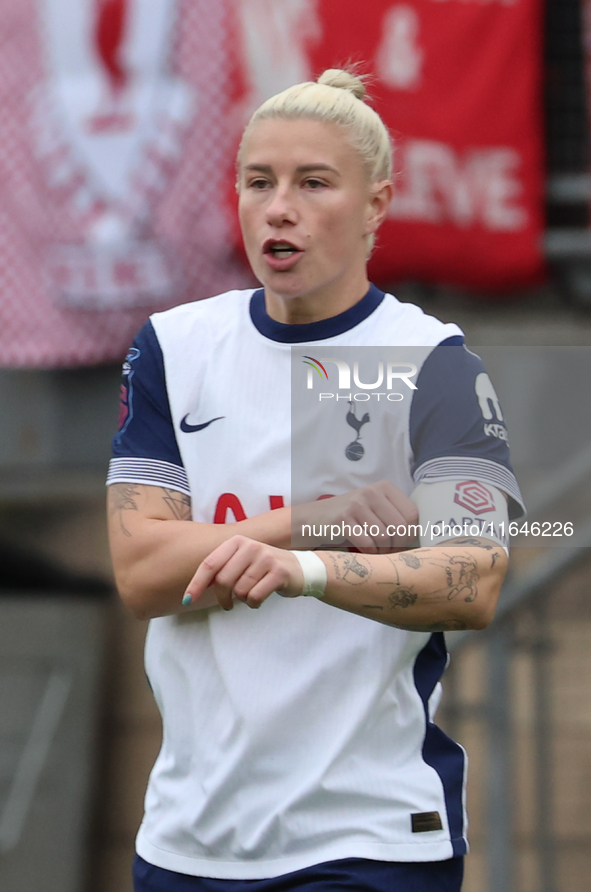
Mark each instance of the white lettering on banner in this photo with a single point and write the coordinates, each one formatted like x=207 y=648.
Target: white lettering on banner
x=275 y=37
x=480 y=187
x=399 y=59
x=110 y=276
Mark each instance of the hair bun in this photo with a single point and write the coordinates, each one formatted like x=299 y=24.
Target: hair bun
x=343 y=80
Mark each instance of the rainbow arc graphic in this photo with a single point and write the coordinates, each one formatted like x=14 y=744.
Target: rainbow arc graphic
x=316 y=365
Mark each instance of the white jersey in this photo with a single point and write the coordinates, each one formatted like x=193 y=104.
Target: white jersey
x=297 y=733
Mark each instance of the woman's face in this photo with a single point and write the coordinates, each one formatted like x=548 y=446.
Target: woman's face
x=306 y=209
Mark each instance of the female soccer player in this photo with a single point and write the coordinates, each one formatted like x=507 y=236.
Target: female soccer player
x=299 y=747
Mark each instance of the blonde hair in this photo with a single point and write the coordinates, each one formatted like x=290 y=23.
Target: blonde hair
x=338 y=97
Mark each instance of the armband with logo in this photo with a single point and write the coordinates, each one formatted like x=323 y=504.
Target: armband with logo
x=454 y=509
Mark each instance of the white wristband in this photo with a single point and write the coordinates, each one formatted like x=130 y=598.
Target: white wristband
x=315 y=575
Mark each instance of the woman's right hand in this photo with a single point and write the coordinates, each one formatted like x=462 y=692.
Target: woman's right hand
x=374 y=519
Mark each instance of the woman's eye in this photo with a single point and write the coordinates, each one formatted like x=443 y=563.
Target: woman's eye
x=313 y=183
x=259 y=183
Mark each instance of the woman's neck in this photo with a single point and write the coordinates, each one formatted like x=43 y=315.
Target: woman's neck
x=314 y=306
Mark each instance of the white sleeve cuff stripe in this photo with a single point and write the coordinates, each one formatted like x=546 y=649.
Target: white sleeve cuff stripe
x=483 y=469
x=149 y=471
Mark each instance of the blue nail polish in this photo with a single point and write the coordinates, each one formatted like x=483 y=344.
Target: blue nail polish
x=186 y=599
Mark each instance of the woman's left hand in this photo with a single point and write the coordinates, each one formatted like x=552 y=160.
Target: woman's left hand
x=247 y=570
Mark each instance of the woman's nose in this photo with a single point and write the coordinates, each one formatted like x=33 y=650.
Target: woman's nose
x=281 y=208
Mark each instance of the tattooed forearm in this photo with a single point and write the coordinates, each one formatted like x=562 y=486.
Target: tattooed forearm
x=402 y=597
x=458 y=575
x=350 y=568
x=429 y=589
x=123 y=498
x=451 y=625
x=411 y=560
x=468 y=577
x=178 y=503
x=474 y=543
x=395 y=567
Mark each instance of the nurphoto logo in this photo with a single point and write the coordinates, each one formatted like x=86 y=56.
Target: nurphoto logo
x=387 y=373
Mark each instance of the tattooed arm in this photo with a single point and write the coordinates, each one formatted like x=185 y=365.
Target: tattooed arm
x=154 y=560
x=451 y=586
x=156 y=548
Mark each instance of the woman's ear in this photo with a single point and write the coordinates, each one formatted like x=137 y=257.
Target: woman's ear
x=381 y=194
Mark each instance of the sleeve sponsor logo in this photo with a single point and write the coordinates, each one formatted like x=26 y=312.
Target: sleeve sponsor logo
x=487 y=398
x=496 y=430
x=474 y=496
x=490 y=408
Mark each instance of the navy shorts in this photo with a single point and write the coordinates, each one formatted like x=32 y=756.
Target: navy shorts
x=353 y=874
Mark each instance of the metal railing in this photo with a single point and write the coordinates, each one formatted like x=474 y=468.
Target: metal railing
x=530 y=589
x=33 y=756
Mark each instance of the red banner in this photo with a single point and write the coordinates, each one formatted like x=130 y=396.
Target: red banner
x=459 y=84
x=121 y=117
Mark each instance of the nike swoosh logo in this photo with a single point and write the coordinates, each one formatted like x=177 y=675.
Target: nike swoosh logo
x=191 y=428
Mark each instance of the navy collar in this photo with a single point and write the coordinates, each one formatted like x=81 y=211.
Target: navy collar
x=312 y=331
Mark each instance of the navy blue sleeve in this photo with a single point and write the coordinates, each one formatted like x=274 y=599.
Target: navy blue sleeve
x=457 y=426
x=145 y=448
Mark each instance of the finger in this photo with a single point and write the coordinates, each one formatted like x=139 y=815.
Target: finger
x=252 y=574
x=371 y=505
x=401 y=502
x=385 y=508
x=377 y=531
x=395 y=512
x=210 y=567
x=366 y=530
x=269 y=583
x=243 y=570
x=387 y=500
x=278 y=571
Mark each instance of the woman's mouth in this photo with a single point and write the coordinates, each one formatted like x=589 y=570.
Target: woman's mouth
x=281 y=255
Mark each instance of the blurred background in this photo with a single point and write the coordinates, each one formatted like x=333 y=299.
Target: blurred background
x=120 y=122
